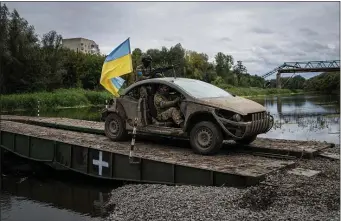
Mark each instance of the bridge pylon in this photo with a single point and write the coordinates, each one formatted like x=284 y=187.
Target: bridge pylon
x=278 y=80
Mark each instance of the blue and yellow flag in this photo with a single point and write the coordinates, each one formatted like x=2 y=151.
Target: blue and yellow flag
x=117 y=63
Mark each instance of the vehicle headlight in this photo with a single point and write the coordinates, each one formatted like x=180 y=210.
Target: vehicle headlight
x=237 y=117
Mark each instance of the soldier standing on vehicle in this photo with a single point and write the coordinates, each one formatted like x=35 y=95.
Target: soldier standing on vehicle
x=144 y=70
x=166 y=109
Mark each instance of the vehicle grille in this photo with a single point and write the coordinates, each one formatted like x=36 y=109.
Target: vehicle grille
x=260 y=123
x=255 y=116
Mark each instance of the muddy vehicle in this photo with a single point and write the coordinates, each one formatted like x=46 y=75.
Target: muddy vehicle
x=211 y=114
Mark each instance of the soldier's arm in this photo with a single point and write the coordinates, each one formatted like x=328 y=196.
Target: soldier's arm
x=143 y=77
x=162 y=103
x=139 y=73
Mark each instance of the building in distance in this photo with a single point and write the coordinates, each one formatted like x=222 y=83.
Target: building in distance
x=81 y=45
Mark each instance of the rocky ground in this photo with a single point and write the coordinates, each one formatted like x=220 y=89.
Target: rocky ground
x=282 y=196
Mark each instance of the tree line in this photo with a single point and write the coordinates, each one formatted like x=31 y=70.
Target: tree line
x=325 y=82
x=30 y=63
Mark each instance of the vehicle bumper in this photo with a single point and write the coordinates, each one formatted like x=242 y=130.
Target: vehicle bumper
x=260 y=123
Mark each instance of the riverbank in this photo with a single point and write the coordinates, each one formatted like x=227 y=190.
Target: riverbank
x=61 y=98
x=283 y=196
x=255 y=92
x=72 y=98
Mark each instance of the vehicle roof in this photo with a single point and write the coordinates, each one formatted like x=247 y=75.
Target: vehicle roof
x=168 y=79
x=158 y=80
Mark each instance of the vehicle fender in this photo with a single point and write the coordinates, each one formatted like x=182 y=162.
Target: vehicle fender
x=197 y=116
x=116 y=107
x=196 y=113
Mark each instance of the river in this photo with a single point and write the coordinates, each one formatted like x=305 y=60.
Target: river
x=298 y=117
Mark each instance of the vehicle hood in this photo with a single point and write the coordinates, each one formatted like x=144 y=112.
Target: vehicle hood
x=237 y=104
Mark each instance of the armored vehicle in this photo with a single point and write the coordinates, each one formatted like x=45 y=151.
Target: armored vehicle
x=211 y=114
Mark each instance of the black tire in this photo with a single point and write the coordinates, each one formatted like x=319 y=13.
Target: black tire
x=115 y=128
x=247 y=140
x=207 y=130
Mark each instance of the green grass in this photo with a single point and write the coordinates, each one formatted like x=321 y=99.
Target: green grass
x=64 y=98
x=60 y=98
x=254 y=91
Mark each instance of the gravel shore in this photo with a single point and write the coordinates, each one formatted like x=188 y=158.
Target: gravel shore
x=282 y=196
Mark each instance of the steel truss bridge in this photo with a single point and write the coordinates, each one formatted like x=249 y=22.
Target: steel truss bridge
x=306 y=66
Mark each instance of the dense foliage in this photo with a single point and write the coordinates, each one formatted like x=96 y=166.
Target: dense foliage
x=328 y=82
x=325 y=82
x=30 y=63
x=33 y=64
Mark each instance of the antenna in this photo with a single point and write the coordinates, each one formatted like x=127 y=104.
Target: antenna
x=174 y=71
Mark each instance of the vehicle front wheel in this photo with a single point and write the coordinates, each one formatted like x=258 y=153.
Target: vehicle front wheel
x=247 y=140
x=115 y=127
x=206 y=138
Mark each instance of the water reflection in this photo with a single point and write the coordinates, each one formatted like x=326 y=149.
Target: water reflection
x=304 y=117
x=33 y=199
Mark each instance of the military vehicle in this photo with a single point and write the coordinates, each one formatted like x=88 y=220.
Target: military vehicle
x=211 y=114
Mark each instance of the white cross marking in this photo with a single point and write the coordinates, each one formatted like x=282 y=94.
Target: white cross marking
x=100 y=163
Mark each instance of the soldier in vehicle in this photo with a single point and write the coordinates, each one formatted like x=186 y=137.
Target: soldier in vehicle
x=167 y=109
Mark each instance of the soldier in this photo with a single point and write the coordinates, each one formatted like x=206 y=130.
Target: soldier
x=165 y=108
x=144 y=70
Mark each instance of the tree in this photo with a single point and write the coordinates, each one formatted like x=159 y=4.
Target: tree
x=325 y=82
x=22 y=44
x=239 y=70
x=5 y=55
x=224 y=64
x=52 y=54
x=196 y=65
x=176 y=56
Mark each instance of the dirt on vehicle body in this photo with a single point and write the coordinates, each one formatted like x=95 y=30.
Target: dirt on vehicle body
x=211 y=114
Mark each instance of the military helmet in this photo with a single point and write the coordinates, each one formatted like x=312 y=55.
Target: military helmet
x=147 y=59
x=163 y=88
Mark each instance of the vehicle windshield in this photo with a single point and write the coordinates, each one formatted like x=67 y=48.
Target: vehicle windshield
x=200 y=89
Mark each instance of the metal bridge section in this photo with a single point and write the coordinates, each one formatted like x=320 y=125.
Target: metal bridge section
x=308 y=66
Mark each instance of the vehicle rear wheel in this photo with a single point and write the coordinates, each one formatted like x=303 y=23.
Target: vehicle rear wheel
x=247 y=140
x=206 y=138
x=115 y=127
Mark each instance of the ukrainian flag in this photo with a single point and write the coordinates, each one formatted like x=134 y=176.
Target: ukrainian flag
x=117 y=63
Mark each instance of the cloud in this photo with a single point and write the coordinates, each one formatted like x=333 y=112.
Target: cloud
x=173 y=39
x=261 y=31
x=263 y=35
x=225 y=39
x=308 y=31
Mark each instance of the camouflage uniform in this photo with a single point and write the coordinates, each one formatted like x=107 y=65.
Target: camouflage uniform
x=166 y=110
x=142 y=73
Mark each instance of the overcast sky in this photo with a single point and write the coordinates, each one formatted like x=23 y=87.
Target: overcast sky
x=263 y=35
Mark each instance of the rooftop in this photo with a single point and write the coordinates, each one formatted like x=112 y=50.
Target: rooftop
x=77 y=39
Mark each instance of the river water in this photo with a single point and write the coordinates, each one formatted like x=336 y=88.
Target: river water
x=299 y=117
